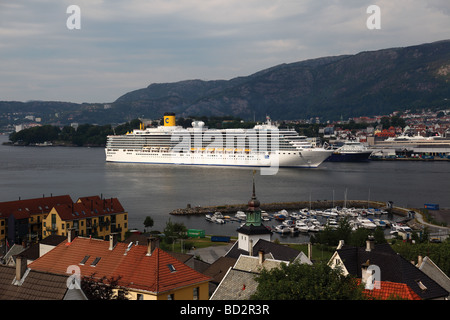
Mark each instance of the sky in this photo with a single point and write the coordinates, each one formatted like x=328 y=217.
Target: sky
x=127 y=45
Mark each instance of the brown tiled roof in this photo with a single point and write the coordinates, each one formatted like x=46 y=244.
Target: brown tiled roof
x=36 y=286
x=32 y=206
x=89 y=207
x=137 y=270
x=391 y=291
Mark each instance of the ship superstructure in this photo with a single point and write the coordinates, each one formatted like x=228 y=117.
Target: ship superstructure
x=262 y=146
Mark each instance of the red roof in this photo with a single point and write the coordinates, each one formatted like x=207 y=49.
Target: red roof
x=391 y=291
x=156 y=273
x=88 y=207
x=32 y=206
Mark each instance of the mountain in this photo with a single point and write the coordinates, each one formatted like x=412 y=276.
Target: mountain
x=367 y=83
x=363 y=84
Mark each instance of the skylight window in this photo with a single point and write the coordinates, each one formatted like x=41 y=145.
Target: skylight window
x=171 y=267
x=421 y=285
x=94 y=263
x=84 y=260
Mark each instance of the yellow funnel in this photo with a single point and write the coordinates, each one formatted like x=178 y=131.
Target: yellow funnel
x=169 y=119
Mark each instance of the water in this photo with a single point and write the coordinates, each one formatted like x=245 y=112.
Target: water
x=156 y=190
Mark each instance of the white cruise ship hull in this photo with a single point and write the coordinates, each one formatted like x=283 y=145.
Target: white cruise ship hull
x=297 y=159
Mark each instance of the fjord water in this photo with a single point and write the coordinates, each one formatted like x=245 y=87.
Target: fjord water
x=156 y=190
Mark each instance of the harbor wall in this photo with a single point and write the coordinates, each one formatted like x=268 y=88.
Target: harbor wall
x=290 y=206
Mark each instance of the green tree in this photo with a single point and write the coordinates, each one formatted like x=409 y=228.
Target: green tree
x=174 y=231
x=306 y=282
x=104 y=288
x=148 y=222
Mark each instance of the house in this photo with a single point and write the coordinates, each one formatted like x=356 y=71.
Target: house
x=217 y=270
x=20 y=220
x=375 y=263
x=146 y=271
x=21 y=283
x=35 y=250
x=239 y=282
x=89 y=216
x=277 y=251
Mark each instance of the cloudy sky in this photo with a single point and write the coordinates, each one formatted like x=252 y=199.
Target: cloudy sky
x=125 y=45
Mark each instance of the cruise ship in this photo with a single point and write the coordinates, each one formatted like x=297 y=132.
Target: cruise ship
x=263 y=146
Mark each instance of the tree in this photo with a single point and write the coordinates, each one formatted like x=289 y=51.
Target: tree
x=148 y=222
x=306 y=282
x=103 y=289
x=174 y=231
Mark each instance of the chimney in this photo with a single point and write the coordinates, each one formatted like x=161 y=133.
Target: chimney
x=21 y=267
x=70 y=235
x=112 y=240
x=364 y=273
x=152 y=244
x=261 y=257
x=370 y=244
x=419 y=261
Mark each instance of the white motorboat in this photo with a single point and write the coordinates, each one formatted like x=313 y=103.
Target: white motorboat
x=302 y=226
x=330 y=212
x=366 y=223
x=282 y=229
x=240 y=215
x=218 y=215
x=400 y=227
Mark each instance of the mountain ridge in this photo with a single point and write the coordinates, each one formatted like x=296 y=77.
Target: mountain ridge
x=363 y=84
x=366 y=83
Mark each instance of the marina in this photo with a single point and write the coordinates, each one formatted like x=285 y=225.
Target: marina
x=299 y=225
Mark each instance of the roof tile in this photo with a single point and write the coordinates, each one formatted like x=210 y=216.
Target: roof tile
x=136 y=269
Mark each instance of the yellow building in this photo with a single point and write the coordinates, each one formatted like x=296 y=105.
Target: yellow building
x=89 y=216
x=21 y=220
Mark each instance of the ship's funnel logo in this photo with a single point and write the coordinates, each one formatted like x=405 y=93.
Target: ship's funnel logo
x=169 y=119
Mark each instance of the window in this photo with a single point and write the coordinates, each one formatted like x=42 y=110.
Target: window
x=82 y=262
x=170 y=296
x=195 y=293
x=171 y=268
x=94 y=263
x=139 y=296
